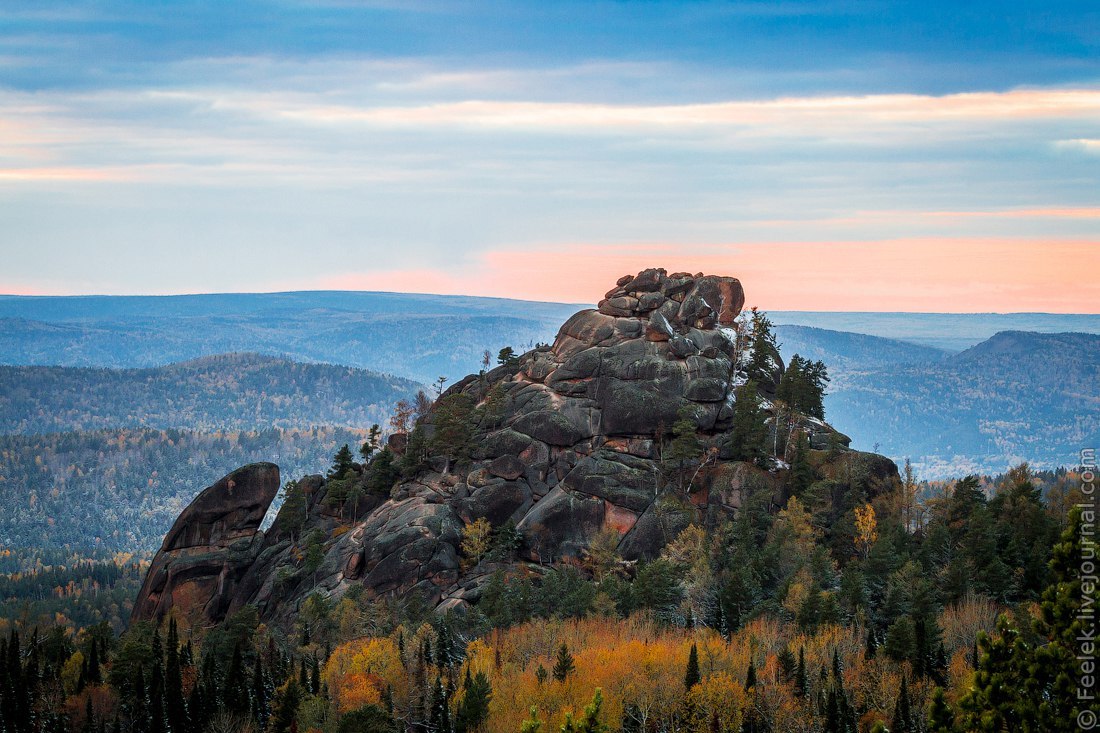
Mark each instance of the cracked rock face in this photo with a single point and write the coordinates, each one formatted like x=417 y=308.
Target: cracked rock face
x=576 y=451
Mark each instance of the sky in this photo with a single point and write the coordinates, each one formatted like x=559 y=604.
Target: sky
x=833 y=155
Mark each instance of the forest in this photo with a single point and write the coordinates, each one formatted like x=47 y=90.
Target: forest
x=120 y=490
x=217 y=393
x=912 y=617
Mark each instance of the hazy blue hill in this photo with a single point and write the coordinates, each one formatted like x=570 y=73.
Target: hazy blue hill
x=949 y=331
x=216 y=393
x=843 y=351
x=414 y=336
x=1016 y=397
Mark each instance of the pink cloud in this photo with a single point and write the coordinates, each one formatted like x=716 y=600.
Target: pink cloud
x=926 y=274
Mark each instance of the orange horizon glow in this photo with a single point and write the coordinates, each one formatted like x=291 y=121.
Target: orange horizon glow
x=935 y=275
x=917 y=275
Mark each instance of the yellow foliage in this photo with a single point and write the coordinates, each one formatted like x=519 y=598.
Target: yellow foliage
x=717 y=702
x=358 y=672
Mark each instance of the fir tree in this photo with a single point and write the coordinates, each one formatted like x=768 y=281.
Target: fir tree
x=286 y=708
x=750 y=676
x=685 y=446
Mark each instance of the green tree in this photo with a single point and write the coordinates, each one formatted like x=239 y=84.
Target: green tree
x=370 y=446
x=367 y=719
x=590 y=721
x=473 y=711
x=507 y=356
x=532 y=724
x=803 y=386
x=342 y=463
x=691 y=674
x=563 y=666
x=749 y=429
x=762 y=348
x=453 y=428
x=292 y=514
x=286 y=708
x=383 y=473
x=685 y=446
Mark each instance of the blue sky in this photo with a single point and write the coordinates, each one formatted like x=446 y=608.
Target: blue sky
x=473 y=146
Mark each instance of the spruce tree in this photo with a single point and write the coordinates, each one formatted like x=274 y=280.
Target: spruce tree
x=903 y=712
x=564 y=666
x=750 y=676
x=175 y=707
x=691 y=674
x=473 y=711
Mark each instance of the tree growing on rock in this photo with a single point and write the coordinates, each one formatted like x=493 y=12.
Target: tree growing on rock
x=476 y=539
x=453 y=428
x=762 y=348
x=750 y=431
x=803 y=386
x=685 y=446
x=370 y=446
x=507 y=356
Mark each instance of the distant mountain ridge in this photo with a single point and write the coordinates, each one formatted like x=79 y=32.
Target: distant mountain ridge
x=1016 y=397
x=213 y=393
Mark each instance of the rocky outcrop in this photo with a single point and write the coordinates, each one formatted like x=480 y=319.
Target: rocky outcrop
x=569 y=441
x=211 y=546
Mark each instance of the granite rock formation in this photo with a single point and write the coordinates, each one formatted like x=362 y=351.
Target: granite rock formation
x=567 y=441
x=212 y=544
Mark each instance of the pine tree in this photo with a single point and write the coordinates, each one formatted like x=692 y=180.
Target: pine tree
x=507 y=356
x=260 y=712
x=564 y=666
x=440 y=712
x=532 y=724
x=941 y=718
x=286 y=708
x=453 y=427
x=750 y=676
x=762 y=348
x=342 y=463
x=691 y=674
x=590 y=721
x=374 y=436
x=871 y=648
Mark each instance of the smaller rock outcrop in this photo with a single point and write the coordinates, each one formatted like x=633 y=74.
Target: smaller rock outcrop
x=212 y=544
